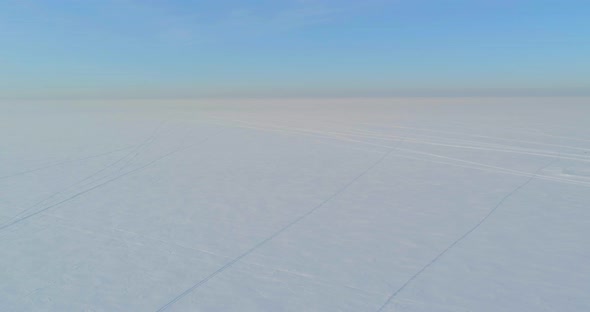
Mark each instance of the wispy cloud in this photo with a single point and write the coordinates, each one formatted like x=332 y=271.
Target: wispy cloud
x=195 y=23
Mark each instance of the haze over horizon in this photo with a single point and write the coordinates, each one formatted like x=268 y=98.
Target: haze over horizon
x=160 y=49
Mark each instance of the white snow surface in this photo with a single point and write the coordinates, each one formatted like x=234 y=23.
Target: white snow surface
x=454 y=204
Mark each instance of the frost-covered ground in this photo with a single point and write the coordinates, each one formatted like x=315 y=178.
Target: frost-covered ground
x=295 y=205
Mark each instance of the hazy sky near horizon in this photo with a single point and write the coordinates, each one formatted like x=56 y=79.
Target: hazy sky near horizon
x=182 y=48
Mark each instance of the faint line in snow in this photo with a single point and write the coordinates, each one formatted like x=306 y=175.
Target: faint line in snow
x=9 y=224
x=502 y=149
x=64 y=162
x=465 y=235
x=138 y=147
x=471 y=164
x=274 y=235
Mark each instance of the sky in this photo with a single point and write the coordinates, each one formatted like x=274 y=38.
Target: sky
x=293 y=48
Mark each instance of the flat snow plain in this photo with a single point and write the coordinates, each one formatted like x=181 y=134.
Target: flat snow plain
x=295 y=205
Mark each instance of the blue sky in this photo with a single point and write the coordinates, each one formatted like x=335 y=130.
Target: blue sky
x=182 y=48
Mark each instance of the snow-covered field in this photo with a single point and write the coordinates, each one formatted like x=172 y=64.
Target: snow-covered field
x=295 y=205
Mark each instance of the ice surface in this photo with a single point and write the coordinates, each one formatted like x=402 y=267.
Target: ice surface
x=295 y=205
